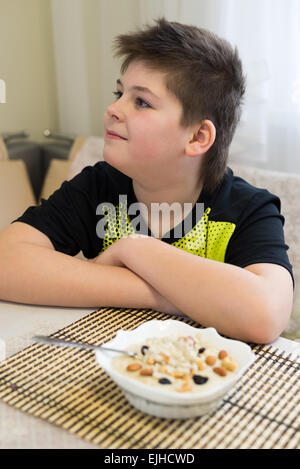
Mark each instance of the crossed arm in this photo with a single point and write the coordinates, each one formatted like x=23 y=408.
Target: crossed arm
x=251 y=304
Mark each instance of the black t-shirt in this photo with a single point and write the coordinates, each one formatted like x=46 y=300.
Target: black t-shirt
x=240 y=224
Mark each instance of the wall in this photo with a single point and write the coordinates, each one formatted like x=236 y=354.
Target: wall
x=86 y=70
x=27 y=66
x=56 y=60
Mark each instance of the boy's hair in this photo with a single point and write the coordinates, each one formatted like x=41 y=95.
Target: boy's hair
x=205 y=74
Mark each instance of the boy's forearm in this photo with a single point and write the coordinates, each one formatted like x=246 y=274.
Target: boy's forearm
x=229 y=298
x=37 y=275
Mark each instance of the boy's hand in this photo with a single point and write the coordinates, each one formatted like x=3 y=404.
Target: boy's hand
x=111 y=256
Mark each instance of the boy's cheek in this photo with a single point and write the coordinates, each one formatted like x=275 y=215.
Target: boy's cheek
x=145 y=150
x=149 y=145
x=153 y=149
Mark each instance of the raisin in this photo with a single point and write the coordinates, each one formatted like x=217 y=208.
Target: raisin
x=198 y=379
x=144 y=349
x=201 y=350
x=164 y=381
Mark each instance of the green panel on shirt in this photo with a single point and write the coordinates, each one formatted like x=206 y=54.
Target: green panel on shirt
x=206 y=239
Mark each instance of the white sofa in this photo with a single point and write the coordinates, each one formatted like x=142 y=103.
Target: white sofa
x=287 y=187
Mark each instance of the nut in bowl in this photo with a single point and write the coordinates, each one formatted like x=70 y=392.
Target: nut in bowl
x=179 y=371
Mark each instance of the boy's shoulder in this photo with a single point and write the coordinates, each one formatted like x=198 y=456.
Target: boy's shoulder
x=105 y=170
x=103 y=177
x=236 y=198
x=239 y=187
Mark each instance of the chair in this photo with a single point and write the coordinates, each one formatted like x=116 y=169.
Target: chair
x=84 y=152
x=3 y=150
x=16 y=193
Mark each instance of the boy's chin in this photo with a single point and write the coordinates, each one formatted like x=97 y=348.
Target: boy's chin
x=116 y=163
x=109 y=158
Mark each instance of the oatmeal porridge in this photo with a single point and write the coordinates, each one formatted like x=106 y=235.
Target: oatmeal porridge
x=177 y=363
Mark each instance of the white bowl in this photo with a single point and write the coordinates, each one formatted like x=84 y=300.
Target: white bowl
x=170 y=404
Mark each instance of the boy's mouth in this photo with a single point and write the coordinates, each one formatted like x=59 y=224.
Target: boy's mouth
x=114 y=136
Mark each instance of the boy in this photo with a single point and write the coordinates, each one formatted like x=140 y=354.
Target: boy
x=167 y=136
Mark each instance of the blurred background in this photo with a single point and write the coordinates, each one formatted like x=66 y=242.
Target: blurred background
x=57 y=64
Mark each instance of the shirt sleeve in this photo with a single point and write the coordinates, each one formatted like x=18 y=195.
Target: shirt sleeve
x=259 y=235
x=68 y=217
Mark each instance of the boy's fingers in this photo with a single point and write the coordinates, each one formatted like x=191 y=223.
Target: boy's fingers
x=138 y=236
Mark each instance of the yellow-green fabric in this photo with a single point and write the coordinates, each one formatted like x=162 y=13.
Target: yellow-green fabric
x=206 y=239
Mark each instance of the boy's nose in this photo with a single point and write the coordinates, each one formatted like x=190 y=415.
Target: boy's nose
x=114 y=111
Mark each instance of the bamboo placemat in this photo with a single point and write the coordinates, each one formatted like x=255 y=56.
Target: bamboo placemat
x=67 y=388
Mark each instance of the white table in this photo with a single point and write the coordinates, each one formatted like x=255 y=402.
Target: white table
x=18 y=324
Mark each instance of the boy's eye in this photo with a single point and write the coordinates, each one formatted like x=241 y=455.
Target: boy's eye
x=138 y=101
x=141 y=103
x=117 y=94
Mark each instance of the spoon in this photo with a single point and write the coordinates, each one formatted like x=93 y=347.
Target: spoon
x=52 y=341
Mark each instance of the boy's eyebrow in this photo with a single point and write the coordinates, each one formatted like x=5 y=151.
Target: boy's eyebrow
x=139 y=88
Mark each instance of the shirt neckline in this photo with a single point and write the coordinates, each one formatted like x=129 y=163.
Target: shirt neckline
x=190 y=220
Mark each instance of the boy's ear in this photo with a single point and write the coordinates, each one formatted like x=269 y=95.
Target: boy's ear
x=203 y=137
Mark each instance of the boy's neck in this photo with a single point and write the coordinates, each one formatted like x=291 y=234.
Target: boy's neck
x=182 y=194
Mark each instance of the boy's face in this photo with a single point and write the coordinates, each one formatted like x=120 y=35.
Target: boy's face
x=146 y=116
